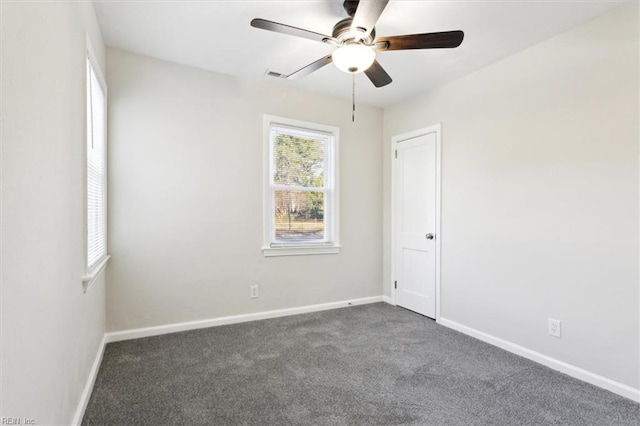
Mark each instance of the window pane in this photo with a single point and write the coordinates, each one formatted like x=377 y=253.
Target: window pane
x=96 y=172
x=299 y=216
x=299 y=161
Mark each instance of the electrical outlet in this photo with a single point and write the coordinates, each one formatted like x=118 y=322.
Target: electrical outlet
x=554 y=327
x=255 y=292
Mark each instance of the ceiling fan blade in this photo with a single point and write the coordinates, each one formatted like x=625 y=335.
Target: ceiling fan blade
x=366 y=16
x=263 y=24
x=443 y=40
x=308 y=69
x=378 y=75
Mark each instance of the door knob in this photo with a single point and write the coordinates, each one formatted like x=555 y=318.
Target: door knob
x=429 y=236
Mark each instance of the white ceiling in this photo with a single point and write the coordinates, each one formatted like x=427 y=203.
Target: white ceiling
x=216 y=35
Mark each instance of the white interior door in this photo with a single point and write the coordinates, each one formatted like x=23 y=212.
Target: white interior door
x=415 y=193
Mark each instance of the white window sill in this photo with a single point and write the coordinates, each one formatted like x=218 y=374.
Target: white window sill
x=300 y=250
x=88 y=279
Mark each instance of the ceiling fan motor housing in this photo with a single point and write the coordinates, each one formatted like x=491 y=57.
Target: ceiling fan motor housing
x=342 y=32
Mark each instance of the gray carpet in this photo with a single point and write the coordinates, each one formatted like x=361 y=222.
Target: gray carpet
x=364 y=365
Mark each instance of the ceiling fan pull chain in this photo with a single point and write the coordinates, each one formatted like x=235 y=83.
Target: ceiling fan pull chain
x=353 y=97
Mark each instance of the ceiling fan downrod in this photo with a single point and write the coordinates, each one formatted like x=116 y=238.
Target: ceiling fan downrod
x=350 y=6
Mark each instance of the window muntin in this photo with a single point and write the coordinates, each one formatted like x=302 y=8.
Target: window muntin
x=301 y=201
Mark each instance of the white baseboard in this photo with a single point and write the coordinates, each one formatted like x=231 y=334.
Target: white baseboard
x=88 y=388
x=117 y=336
x=387 y=299
x=563 y=367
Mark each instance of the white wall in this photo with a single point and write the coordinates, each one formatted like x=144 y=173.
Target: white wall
x=51 y=330
x=540 y=195
x=185 y=194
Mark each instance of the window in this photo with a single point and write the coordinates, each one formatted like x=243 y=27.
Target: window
x=96 y=172
x=301 y=193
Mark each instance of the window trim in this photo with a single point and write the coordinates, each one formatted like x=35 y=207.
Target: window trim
x=90 y=274
x=270 y=248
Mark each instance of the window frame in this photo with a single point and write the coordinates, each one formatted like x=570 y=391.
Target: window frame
x=93 y=270
x=331 y=243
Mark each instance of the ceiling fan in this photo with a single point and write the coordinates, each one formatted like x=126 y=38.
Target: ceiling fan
x=356 y=42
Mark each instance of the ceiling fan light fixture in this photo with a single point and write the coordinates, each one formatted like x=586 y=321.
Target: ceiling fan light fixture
x=353 y=58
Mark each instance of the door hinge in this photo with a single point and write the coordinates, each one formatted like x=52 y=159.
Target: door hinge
x=396 y=153
x=395 y=284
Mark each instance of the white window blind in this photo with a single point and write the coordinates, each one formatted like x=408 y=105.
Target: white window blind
x=300 y=188
x=96 y=169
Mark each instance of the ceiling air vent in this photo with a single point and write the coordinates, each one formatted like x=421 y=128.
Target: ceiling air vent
x=275 y=74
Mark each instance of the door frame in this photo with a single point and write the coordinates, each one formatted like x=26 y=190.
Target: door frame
x=437 y=129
